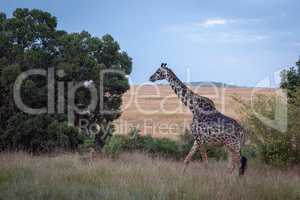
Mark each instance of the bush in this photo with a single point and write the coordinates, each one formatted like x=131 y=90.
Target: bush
x=60 y=135
x=162 y=147
x=116 y=145
x=40 y=133
x=87 y=145
x=273 y=146
x=278 y=152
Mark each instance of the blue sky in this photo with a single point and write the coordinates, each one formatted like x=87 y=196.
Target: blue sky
x=240 y=42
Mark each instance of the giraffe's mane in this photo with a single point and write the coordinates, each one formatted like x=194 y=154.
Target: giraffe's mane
x=170 y=71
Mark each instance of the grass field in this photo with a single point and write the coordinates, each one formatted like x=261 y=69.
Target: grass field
x=136 y=176
x=156 y=110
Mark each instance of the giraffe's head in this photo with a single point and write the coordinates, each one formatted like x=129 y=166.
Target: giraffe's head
x=160 y=74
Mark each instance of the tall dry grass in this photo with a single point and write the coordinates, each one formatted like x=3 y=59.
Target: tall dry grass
x=136 y=176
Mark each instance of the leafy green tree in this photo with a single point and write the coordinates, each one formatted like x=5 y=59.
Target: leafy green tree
x=30 y=40
x=272 y=145
x=290 y=80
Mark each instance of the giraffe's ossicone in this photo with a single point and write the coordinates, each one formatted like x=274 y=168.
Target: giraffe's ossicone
x=209 y=126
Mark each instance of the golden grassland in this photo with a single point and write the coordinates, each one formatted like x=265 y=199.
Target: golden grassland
x=137 y=176
x=156 y=110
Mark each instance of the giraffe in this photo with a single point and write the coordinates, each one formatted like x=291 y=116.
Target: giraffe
x=209 y=126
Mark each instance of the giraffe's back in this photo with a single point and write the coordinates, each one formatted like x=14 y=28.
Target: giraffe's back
x=217 y=129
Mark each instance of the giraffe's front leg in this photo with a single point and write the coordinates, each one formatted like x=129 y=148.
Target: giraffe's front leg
x=189 y=156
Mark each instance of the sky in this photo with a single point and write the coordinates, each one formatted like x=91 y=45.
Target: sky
x=242 y=42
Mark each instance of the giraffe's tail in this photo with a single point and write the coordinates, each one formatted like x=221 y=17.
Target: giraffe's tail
x=243 y=160
x=243 y=166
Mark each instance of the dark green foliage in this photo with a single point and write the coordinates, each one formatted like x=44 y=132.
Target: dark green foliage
x=290 y=80
x=249 y=152
x=162 y=147
x=30 y=40
x=87 y=144
x=273 y=146
x=279 y=152
x=41 y=133
x=116 y=145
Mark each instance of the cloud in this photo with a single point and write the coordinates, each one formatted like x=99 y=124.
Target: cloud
x=213 y=22
x=225 y=37
x=202 y=32
x=210 y=22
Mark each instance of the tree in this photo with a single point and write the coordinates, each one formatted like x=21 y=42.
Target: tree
x=30 y=40
x=290 y=80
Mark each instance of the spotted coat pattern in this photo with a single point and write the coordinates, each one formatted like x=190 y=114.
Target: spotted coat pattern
x=209 y=126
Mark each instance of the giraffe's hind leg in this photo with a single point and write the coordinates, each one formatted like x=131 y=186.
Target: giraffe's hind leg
x=190 y=155
x=203 y=155
x=233 y=157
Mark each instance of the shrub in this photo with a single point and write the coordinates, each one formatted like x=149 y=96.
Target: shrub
x=278 y=152
x=87 y=144
x=40 y=133
x=163 y=147
x=115 y=145
x=273 y=146
x=60 y=135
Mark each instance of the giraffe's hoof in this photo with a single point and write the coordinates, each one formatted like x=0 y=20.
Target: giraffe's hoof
x=183 y=171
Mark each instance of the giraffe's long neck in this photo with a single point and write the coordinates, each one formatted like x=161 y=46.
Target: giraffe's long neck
x=180 y=89
x=196 y=103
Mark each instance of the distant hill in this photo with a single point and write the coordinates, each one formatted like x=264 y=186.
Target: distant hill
x=212 y=83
